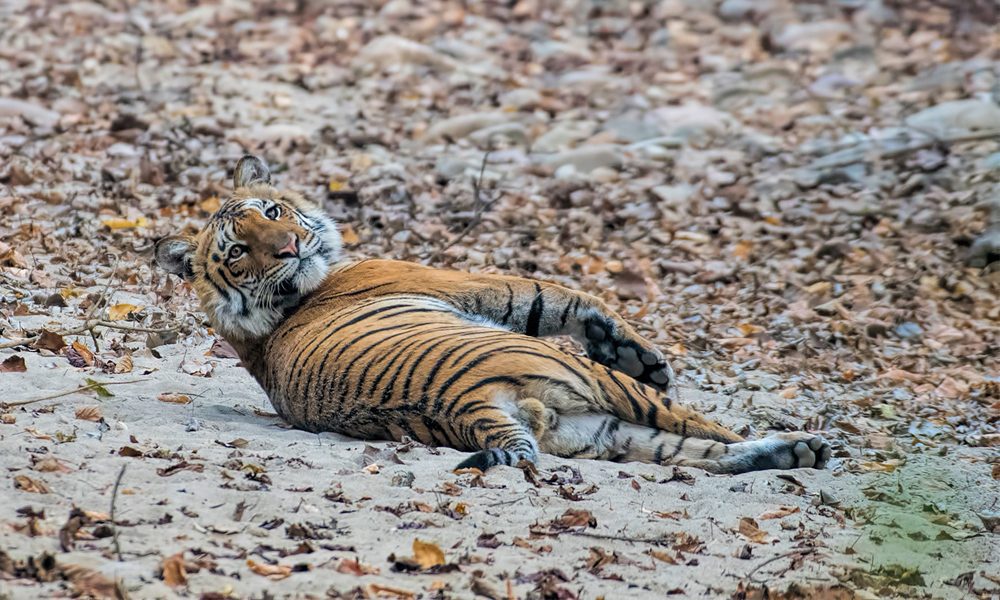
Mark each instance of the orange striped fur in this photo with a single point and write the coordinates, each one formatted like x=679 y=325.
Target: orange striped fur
x=383 y=349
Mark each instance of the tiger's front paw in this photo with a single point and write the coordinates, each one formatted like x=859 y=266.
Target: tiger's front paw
x=629 y=354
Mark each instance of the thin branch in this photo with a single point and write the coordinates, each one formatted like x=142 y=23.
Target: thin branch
x=930 y=142
x=619 y=538
x=114 y=524
x=82 y=388
x=793 y=553
x=482 y=204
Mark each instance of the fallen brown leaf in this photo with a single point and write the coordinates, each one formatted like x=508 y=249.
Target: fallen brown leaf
x=89 y=413
x=427 y=554
x=173 y=398
x=33 y=486
x=274 y=572
x=13 y=364
x=781 y=511
x=748 y=529
x=174 y=573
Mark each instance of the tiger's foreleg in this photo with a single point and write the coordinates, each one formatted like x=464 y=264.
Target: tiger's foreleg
x=541 y=309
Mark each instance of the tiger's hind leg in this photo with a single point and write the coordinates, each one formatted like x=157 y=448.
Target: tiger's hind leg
x=502 y=438
x=607 y=437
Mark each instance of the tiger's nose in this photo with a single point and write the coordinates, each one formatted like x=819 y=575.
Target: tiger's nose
x=291 y=249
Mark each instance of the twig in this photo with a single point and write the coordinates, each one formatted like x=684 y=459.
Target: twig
x=89 y=327
x=114 y=496
x=802 y=552
x=481 y=205
x=619 y=538
x=928 y=143
x=82 y=388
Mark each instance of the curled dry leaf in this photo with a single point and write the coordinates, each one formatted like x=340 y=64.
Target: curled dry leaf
x=47 y=340
x=89 y=413
x=174 y=398
x=378 y=590
x=33 y=486
x=123 y=365
x=174 y=573
x=82 y=352
x=8 y=419
x=749 y=529
x=427 y=554
x=274 y=572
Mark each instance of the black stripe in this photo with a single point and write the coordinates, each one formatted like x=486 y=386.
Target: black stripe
x=505 y=319
x=565 y=314
x=535 y=314
x=486 y=381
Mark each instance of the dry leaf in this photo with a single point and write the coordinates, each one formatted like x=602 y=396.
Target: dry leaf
x=50 y=464
x=378 y=590
x=84 y=353
x=427 y=554
x=348 y=235
x=13 y=364
x=782 y=511
x=34 y=486
x=275 y=572
x=8 y=419
x=173 y=398
x=125 y=223
x=174 y=573
x=662 y=556
x=89 y=413
x=749 y=530
x=47 y=340
x=123 y=365
x=354 y=567
x=120 y=312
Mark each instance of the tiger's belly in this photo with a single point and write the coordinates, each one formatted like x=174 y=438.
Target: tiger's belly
x=399 y=365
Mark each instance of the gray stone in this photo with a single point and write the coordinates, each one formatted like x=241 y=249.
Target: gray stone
x=29 y=111
x=957 y=117
x=692 y=121
x=675 y=195
x=521 y=98
x=489 y=136
x=816 y=36
x=459 y=127
x=587 y=158
x=393 y=50
x=564 y=134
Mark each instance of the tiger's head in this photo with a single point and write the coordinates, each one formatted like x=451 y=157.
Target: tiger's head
x=256 y=257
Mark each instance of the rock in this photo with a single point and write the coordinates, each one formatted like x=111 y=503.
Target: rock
x=563 y=135
x=33 y=113
x=985 y=250
x=458 y=127
x=632 y=128
x=591 y=79
x=908 y=329
x=487 y=137
x=990 y=162
x=587 y=158
x=739 y=10
x=403 y=479
x=521 y=98
x=691 y=121
x=675 y=196
x=817 y=36
x=393 y=50
x=957 y=117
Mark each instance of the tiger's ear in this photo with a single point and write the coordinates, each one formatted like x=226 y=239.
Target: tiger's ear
x=250 y=170
x=174 y=255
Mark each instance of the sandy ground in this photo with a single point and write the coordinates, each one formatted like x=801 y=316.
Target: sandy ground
x=258 y=491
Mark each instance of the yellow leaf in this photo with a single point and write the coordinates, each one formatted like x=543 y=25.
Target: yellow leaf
x=27 y=484
x=427 y=554
x=119 y=312
x=662 y=556
x=882 y=467
x=348 y=235
x=84 y=352
x=89 y=413
x=274 y=572
x=126 y=223
x=69 y=292
x=336 y=185
x=174 y=573
x=782 y=511
x=749 y=530
x=742 y=249
x=748 y=329
x=173 y=398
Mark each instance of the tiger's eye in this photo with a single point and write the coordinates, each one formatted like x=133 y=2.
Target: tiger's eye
x=273 y=212
x=235 y=252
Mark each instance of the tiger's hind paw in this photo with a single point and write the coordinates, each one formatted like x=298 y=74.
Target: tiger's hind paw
x=631 y=355
x=791 y=450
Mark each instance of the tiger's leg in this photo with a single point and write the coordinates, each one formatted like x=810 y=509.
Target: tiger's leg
x=607 y=437
x=541 y=309
x=500 y=437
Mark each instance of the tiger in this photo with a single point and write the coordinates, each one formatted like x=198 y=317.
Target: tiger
x=382 y=349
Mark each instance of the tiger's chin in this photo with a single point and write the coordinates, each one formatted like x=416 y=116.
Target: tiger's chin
x=259 y=317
